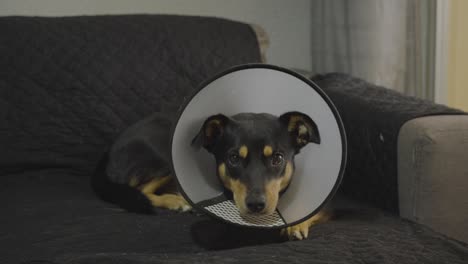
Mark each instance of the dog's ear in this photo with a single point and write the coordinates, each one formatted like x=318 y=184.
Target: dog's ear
x=210 y=132
x=301 y=128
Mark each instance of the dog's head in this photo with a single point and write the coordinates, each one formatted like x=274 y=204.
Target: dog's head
x=255 y=154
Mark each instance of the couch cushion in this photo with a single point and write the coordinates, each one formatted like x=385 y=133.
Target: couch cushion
x=54 y=216
x=69 y=85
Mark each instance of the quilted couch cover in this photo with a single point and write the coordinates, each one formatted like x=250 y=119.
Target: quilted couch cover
x=69 y=85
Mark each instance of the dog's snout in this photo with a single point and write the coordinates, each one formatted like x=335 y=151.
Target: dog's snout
x=256 y=206
x=256 y=203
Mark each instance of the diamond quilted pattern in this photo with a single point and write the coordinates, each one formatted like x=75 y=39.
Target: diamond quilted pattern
x=69 y=85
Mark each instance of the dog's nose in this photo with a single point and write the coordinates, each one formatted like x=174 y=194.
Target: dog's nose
x=256 y=205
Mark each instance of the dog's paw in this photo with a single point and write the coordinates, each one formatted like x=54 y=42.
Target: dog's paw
x=176 y=203
x=296 y=232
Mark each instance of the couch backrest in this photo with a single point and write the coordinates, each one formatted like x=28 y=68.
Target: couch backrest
x=69 y=85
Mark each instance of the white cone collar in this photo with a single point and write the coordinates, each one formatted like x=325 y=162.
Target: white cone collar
x=260 y=88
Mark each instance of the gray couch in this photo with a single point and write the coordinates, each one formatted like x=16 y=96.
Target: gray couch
x=69 y=86
x=433 y=173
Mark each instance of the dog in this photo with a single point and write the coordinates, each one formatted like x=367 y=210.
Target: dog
x=254 y=155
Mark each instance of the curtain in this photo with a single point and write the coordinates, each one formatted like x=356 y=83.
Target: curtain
x=389 y=43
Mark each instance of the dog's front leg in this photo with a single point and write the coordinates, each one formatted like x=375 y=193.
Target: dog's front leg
x=301 y=230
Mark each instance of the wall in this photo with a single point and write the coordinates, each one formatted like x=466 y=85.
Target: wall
x=287 y=22
x=457 y=70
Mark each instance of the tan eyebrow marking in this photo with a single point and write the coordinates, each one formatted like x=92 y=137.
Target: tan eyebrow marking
x=243 y=151
x=267 y=151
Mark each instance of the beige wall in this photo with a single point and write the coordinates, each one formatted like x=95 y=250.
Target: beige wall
x=287 y=22
x=457 y=70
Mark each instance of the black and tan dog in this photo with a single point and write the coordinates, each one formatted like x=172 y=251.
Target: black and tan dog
x=254 y=154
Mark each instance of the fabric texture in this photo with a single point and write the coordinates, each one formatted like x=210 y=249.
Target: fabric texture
x=68 y=86
x=53 y=217
x=432 y=173
x=372 y=117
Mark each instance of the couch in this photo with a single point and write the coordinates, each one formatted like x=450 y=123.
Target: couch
x=70 y=85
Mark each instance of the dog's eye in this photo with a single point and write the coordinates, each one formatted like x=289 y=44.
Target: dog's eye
x=234 y=160
x=277 y=159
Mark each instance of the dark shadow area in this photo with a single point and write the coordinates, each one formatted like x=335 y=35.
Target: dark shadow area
x=216 y=235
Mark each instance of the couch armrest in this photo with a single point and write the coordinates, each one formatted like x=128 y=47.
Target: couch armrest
x=262 y=39
x=433 y=173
